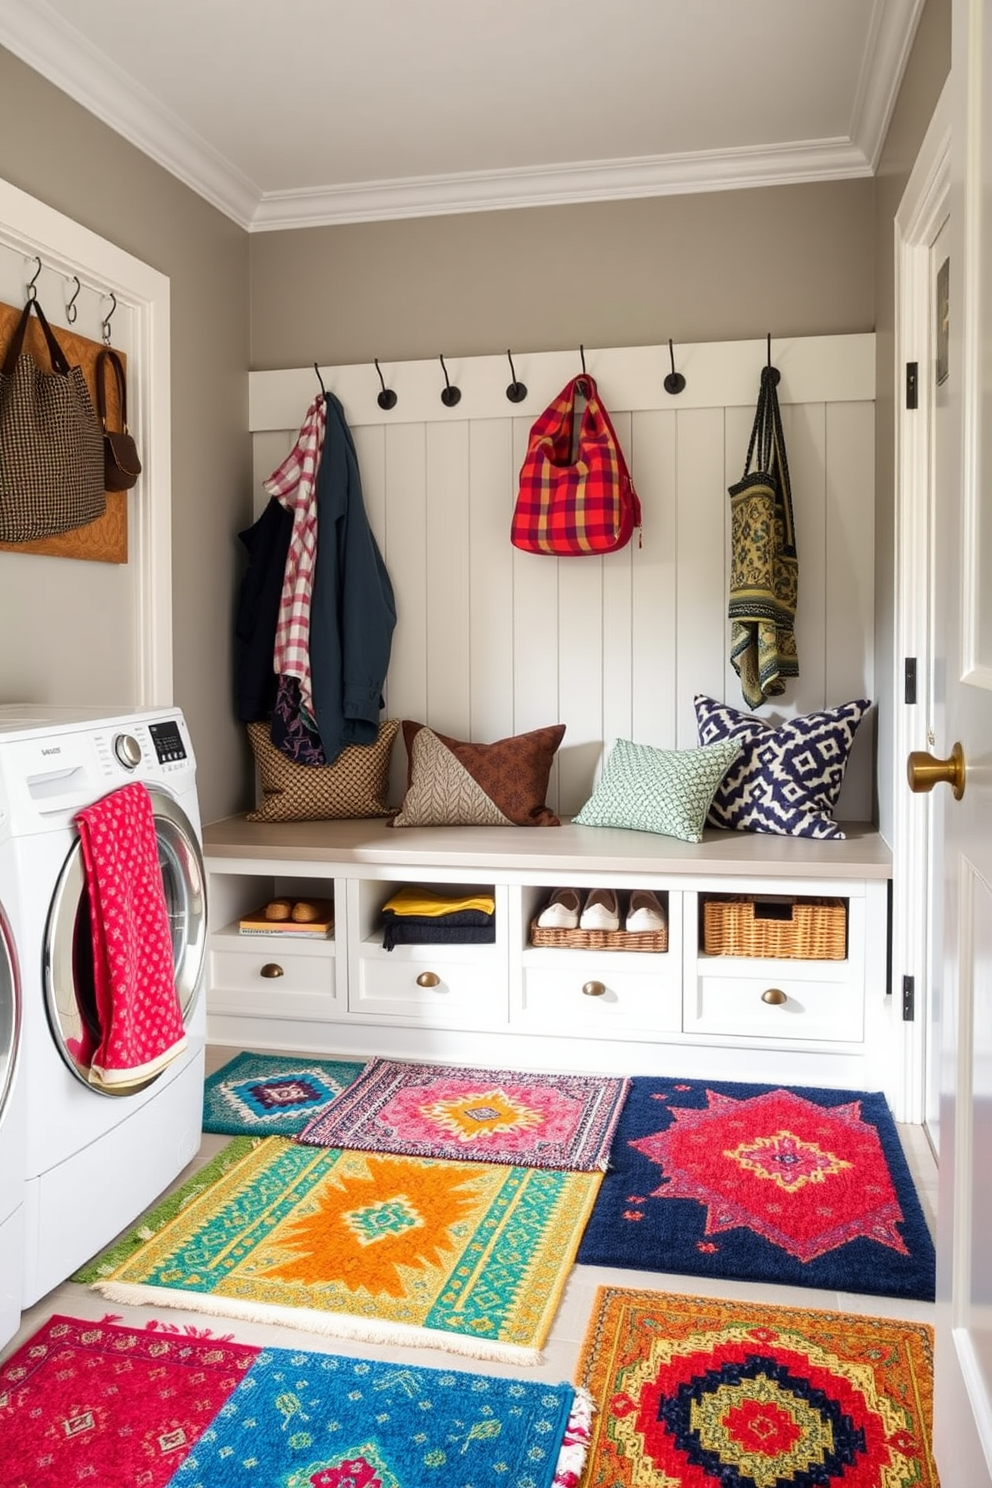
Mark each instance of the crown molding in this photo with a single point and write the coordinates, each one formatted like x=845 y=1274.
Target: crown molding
x=542 y=186
x=893 y=31
x=36 y=34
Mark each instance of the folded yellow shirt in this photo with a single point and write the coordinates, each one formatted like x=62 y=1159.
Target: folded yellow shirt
x=418 y=901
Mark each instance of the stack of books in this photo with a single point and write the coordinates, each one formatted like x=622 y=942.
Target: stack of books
x=309 y=919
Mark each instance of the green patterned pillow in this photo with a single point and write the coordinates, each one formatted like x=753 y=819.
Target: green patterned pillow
x=658 y=790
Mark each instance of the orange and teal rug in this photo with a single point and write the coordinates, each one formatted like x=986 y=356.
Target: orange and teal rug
x=471 y=1257
x=469 y=1114
x=693 y=1392
x=113 y=1406
x=800 y=1187
x=272 y=1095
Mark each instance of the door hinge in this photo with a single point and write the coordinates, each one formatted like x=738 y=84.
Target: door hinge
x=912 y=384
x=909 y=680
x=908 y=999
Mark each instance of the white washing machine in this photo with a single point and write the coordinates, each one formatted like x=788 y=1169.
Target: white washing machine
x=94 y=1159
x=11 y=1124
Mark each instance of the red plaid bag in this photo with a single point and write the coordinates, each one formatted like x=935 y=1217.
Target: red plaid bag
x=576 y=495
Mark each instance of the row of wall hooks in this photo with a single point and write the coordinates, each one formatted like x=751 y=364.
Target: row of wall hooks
x=674 y=382
x=71 y=311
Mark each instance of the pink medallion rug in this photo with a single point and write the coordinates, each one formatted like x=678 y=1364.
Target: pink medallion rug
x=495 y=1116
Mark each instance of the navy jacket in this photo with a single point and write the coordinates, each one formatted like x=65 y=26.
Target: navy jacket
x=353 y=612
x=267 y=543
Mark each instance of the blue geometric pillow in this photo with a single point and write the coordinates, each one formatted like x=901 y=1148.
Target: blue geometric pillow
x=788 y=776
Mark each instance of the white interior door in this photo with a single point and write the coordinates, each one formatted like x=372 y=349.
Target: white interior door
x=963 y=716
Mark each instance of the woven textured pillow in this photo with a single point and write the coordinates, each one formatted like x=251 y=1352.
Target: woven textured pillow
x=658 y=790
x=789 y=775
x=454 y=784
x=356 y=784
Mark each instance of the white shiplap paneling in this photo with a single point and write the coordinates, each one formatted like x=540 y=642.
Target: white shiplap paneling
x=492 y=641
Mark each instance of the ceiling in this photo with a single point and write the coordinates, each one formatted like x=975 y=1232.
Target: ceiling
x=307 y=112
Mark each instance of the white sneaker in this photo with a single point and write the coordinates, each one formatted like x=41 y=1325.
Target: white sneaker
x=601 y=912
x=561 y=911
x=644 y=913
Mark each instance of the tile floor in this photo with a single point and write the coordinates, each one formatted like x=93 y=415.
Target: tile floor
x=562 y=1349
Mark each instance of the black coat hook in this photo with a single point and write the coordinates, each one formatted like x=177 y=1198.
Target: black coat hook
x=70 y=310
x=583 y=388
x=451 y=395
x=674 y=382
x=772 y=374
x=387 y=398
x=32 y=292
x=517 y=391
x=320 y=379
x=109 y=315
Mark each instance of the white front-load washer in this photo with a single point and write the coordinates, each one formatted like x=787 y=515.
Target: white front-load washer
x=12 y=1156
x=94 y=1159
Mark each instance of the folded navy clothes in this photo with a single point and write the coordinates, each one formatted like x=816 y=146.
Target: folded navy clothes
x=461 y=927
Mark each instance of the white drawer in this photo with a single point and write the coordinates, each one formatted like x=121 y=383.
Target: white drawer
x=426 y=984
x=630 y=1001
x=243 y=978
x=828 y=1009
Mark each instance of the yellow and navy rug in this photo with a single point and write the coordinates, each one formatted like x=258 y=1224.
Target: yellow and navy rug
x=694 y=1392
x=471 y=1257
x=794 y=1186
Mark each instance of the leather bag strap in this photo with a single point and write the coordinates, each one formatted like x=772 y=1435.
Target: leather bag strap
x=59 y=362
x=105 y=358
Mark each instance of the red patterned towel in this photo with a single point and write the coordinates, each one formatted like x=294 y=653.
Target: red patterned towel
x=141 y=1025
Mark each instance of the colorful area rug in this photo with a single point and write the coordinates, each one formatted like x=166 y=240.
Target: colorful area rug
x=272 y=1095
x=803 y=1187
x=483 y=1115
x=95 y=1403
x=691 y=1392
x=99 y=1403
x=471 y=1257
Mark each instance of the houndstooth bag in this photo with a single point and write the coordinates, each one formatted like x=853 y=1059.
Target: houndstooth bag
x=51 y=445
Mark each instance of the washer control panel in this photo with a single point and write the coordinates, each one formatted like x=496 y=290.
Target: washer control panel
x=169 y=746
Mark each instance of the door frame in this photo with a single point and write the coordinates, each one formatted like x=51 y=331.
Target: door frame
x=923 y=208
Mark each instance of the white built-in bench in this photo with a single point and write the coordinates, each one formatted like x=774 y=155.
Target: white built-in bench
x=513 y=1005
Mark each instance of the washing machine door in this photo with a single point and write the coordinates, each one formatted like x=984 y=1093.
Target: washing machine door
x=10 y=1011
x=68 y=957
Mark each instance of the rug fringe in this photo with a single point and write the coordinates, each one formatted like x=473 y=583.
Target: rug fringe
x=309 y=1320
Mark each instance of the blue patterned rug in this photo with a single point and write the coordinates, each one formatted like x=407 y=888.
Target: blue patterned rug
x=272 y=1095
x=306 y=1420
x=802 y=1187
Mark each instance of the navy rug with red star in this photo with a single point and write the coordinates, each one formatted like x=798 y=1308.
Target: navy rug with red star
x=795 y=1186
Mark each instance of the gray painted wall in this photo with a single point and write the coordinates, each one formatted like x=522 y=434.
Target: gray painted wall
x=66 y=158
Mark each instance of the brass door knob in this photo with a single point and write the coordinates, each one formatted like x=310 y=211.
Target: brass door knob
x=593 y=989
x=428 y=979
x=271 y=969
x=924 y=771
x=775 y=996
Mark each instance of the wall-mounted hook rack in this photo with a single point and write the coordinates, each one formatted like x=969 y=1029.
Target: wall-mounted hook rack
x=450 y=395
x=387 y=398
x=517 y=391
x=674 y=381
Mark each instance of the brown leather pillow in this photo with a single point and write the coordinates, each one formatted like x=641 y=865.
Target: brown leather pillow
x=454 y=784
x=356 y=784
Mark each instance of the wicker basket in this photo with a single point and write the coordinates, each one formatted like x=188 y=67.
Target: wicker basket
x=599 y=940
x=807 y=929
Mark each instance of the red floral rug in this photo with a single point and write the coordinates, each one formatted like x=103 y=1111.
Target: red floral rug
x=693 y=1392
x=96 y=1403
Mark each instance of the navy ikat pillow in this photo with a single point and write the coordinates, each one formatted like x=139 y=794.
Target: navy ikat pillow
x=788 y=776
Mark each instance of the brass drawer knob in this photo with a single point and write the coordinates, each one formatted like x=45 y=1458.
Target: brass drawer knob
x=774 y=996
x=271 y=969
x=428 y=979
x=593 y=989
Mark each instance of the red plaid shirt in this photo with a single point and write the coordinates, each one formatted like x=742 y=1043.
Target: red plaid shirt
x=294 y=484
